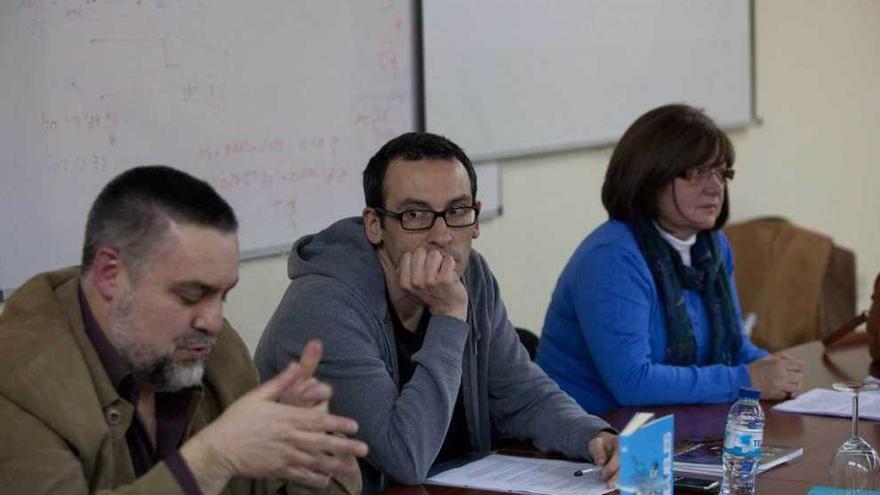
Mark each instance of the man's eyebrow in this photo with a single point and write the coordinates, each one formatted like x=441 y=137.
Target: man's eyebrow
x=196 y=285
x=408 y=202
x=463 y=197
x=418 y=203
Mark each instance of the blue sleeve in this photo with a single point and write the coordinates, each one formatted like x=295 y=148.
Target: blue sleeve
x=748 y=352
x=615 y=299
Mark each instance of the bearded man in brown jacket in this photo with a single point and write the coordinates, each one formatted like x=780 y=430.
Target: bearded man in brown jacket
x=123 y=376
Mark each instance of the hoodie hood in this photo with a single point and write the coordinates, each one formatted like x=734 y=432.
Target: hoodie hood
x=343 y=253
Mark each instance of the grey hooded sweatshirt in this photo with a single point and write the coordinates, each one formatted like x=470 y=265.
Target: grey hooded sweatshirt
x=337 y=294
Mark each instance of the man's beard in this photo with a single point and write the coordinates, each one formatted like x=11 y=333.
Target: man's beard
x=155 y=366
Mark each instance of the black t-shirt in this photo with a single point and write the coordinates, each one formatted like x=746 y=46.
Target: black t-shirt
x=457 y=442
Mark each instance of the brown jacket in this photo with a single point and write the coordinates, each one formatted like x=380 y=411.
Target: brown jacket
x=62 y=424
x=780 y=270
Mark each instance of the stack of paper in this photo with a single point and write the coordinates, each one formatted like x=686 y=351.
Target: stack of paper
x=827 y=402
x=503 y=473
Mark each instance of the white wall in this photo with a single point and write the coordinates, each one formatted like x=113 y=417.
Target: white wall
x=815 y=159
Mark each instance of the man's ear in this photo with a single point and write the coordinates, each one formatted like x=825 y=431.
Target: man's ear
x=477 y=225
x=108 y=274
x=372 y=226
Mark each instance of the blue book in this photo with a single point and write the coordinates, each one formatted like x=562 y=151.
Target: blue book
x=646 y=455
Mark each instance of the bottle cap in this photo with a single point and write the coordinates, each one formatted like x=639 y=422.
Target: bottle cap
x=749 y=393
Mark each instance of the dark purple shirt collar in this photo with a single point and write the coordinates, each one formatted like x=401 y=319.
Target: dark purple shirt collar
x=113 y=364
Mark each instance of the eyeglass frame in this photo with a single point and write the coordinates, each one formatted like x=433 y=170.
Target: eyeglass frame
x=695 y=174
x=437 y=214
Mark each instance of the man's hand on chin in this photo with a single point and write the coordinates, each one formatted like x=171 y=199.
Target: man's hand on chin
x=430 y=278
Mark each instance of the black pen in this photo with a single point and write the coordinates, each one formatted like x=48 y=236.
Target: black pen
x=581 y=472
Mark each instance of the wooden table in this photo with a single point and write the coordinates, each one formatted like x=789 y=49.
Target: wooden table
x=818 y=435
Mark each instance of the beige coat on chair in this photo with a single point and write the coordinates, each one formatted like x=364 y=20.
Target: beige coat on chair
x=784 y=274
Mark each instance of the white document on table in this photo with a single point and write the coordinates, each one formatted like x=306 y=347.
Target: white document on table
x=504 y=473
x=826 y=402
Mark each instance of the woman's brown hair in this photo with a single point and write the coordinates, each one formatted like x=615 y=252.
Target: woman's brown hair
x=658 y=147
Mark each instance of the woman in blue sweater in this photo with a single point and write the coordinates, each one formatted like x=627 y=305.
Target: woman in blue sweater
x=646 y=311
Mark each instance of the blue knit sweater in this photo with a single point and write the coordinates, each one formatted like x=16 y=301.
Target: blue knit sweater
x=604 y=337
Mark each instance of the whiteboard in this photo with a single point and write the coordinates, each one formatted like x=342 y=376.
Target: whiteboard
x=278 y=104
x=516 y=77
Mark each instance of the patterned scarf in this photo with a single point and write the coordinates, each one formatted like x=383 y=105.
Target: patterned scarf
x=708 y=276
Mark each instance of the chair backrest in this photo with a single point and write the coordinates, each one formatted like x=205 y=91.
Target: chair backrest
x=799 y=284
x=529 y=341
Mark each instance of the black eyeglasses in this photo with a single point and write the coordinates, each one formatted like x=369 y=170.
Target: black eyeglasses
x=701 y=174
x=423 y=218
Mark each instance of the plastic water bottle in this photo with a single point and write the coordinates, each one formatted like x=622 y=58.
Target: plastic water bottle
x=743 y=438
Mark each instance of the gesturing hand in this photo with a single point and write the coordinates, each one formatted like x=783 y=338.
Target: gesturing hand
x=258 y=437
x=306 y=390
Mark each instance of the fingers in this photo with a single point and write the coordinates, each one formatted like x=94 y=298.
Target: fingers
x=316 y=470
x=611 y=469
x=429 y=277
x=790 y=362
x=316 y=420
x=604 y=449
x=307 y=393
x=794 y=364
x=273 y=389
x=306 y=477
x=794 y=382
x=313 y=469
x=301 y=388
x=311 y=356
x=308 y=362
x=447 y=269
x=597 y=451
x=790 y=371
x=339 y=447
x=433 y=261
x=777 y=376
x=417 y=268
x=314 y=392
x=312 y=457
x=422 y=269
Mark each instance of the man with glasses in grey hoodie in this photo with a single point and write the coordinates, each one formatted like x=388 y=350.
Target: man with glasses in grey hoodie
x=418 y=346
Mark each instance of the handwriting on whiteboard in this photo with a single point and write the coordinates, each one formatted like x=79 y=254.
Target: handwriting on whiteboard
x=269 y=177
x=84 y=121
